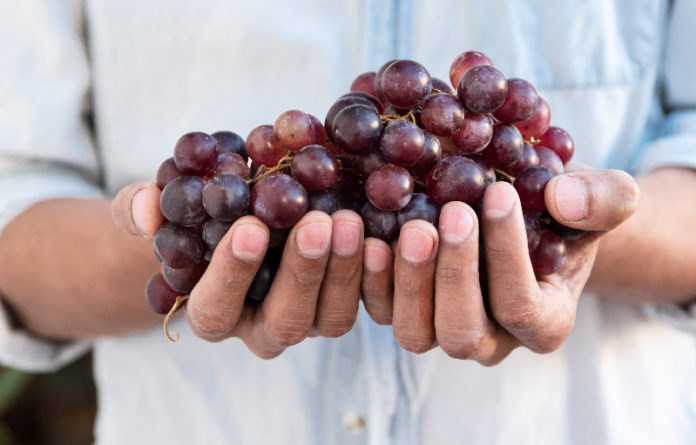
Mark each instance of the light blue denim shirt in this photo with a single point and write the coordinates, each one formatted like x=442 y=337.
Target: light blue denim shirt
x=618 y=75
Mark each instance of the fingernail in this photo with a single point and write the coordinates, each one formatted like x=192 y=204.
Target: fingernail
x=143 y=210
x=415 y=245
x=455 y=223
x=571 y=198
x=249 y=242
x=376 y=258
x=346 y=237
x=313 y=239
x=499 y=201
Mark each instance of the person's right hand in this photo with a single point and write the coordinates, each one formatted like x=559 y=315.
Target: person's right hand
x=316 y=290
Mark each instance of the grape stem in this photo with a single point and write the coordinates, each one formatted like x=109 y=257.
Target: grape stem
x=180 y=300
x=283 y=163
x=506 y=177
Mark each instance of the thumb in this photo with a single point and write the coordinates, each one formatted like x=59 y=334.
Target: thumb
x=136 y=209
x=596 y=200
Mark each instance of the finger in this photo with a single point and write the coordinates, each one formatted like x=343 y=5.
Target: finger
x=414 y=270
x=515 y=298
x=339 y=297
x=462 y=327
x=289 y=309
x=377 y=281
x=596 y=200
x=136 y=209
x=216 y=302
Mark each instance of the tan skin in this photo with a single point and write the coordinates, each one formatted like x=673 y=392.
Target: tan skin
x=68 y=272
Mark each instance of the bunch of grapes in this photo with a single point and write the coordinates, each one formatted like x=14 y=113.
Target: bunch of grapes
x=397 y=147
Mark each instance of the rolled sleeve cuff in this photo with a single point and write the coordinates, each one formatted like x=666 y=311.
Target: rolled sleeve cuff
x=20 y=190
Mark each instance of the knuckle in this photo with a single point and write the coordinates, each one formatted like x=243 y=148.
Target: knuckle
x=307 y=279
x=211 y=325
x=416 y=341
x=448 y=273
x=266 y=354
x=519 y=319
x=333 y=327
x=287 y=334
x=462 y=345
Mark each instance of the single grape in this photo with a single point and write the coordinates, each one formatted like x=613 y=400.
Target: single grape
x=342 y=103
x=441 y=85
x=474 y=134
x=260 y=146
x=528 y=158
x=373 y=99
x=505 y=147
x=226 y=196
x=550 y=159
x=368 y=162
x=317 y=130
x=389 y=187
x=166 y=172
x=181 y=201
x=531 y=226
x=232 y=163
x=213 y=230
x=558 y=140
x=482 y=89
x=356 y=129
x=179 y=247
x=378 y=81
x=536 y=125
x=379 y=223
x=195 y=153
x=464 y=62
x=402 y=143
x=442 y=114
x=421 y=206
x=520 y=102
x=278 y=200
x=406 y=83
x=456 y=178
x=429 y=156
x=315 y=167
x=230 y=142
x=530 y=184
x=183 y=280
x=326 y=201
x=365 y=82
x=488 y=171
x=159 y=295
x=264 y=277
x=294 y=129
x=550 y=254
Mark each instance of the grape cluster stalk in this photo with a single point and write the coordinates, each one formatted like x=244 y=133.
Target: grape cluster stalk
x=397 y=147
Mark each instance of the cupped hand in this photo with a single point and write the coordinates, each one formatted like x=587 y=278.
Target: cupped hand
x=316 y=290
x=429 y=290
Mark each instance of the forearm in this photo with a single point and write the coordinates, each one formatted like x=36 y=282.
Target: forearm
x=652 y=256
x=67 y=271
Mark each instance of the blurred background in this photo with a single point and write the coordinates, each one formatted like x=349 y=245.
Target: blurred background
x=48 y=409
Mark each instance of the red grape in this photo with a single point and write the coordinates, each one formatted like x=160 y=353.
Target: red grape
x=421 y=206
x=389 y=187
x=406 y=83
x=183 y=280
x=379 y=223
x=528 y=158
x=195 y=153
x=464 y=62
x=550 y=159
x=558 y=140
x=365 y=83
x=368 y=162
x=531 y=226
x=530 y=184
x=159 y=295
x=340 y=104
x=505 y=147
x=166 y=172
x=520 y=102
x=226 y=196
x=482 y=89
x=456 y=178
x=356 y=129
x=429 y=156
x=260 y=146
x=550 y=254
x=315 y=167
x=181 y=203
x=442 y=114
x=474 y=134
x=179 y=247
x=402 y=143
x=441 y=85
x=536 y=125
x=295 y=129
x=278 y=200
x=326 y=201
x=230 y=142
x=213 y=230
x=232 y=163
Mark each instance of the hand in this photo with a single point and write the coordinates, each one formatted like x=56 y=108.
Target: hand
x=316 y=289
x=429 y=289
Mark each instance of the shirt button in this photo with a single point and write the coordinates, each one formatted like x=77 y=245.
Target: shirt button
x=353 y=422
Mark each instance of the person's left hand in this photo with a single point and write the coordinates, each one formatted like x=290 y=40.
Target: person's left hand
x=429 y=288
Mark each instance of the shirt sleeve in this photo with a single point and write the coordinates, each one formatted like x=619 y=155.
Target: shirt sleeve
x=676 y=144
x=46 y=150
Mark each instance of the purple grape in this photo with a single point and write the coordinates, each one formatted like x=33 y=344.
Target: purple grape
x=195 y=153
x=367 y=163
x=421 y=206
x=181 y=202
x=531 y=226
x=520 y=102
x=166 y=172
x=232 y=163
x=550 y=254
x=488 y=171
x=379 y=223
x=226 y=196
x=278 y=200
x=230 y=142
x=326 y=201
x=261 y=148
x=179 y=247
x=356 y=129
x=558 y=140
x=372 y=98
x=365 y=82
x=536 y=126
x=183 y=280
x=406 y=83
x=159 y=295
x=294 y=129
x=550 y=159
x=430 y=155
x=456 y=178
x=442 y=114
x=505 y=147
x=565 y=232
x=464 y=62
x=389 y=188
x=482 y=89
x=441 y=85
x=213 y=230
x=315 y=167
x=264 y=277
x=474 y=133
x=528 y=158
x=342 y=103
x=402 y=143
x=530 y=184
x=378 y=82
